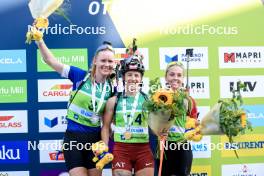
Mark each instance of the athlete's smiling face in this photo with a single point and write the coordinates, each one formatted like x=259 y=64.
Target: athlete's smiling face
x=175 y=77
x=104 y=62
x=133 y=80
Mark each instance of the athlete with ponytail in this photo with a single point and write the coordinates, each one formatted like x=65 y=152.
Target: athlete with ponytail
x=90 y=92
x=178 y=160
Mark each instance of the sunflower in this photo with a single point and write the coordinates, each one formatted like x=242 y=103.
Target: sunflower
x=163 y=96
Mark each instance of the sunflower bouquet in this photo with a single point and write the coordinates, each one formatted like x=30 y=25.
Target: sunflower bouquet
x=163 y=106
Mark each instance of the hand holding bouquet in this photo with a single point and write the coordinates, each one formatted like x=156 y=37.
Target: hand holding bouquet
x=40 y=11
x=35 y=32
x=192 y=130
x=101 y=154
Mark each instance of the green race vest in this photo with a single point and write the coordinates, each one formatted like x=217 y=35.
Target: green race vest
x=139 y=126
x=81 y=108
x=176 y=132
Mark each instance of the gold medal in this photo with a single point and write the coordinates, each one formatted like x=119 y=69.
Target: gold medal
x=127 y=135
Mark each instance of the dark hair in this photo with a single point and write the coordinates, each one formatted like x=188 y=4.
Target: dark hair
x=132 y=64
x=105 y=46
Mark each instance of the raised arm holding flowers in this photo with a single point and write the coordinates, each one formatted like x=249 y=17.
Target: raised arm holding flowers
x=40 y=11
x=88 y=97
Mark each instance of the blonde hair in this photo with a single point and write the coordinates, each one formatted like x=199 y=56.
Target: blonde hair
x=171 y=64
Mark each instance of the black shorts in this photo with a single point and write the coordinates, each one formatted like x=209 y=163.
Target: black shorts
x=77 y=149
x=177 y=162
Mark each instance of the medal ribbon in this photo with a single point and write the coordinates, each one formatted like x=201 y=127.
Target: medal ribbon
x=134 y=106
x=94 y=85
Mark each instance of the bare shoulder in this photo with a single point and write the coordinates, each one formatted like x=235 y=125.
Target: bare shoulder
x=111 y=103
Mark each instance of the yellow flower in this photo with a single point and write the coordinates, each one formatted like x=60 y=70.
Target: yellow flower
x=163 y=96
x=33 y=34
x=28 y=37
x=190 y=123
x=243 y=119
x=36 y=34
x=189 y=135
x=42 y=22
x=197 y=137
